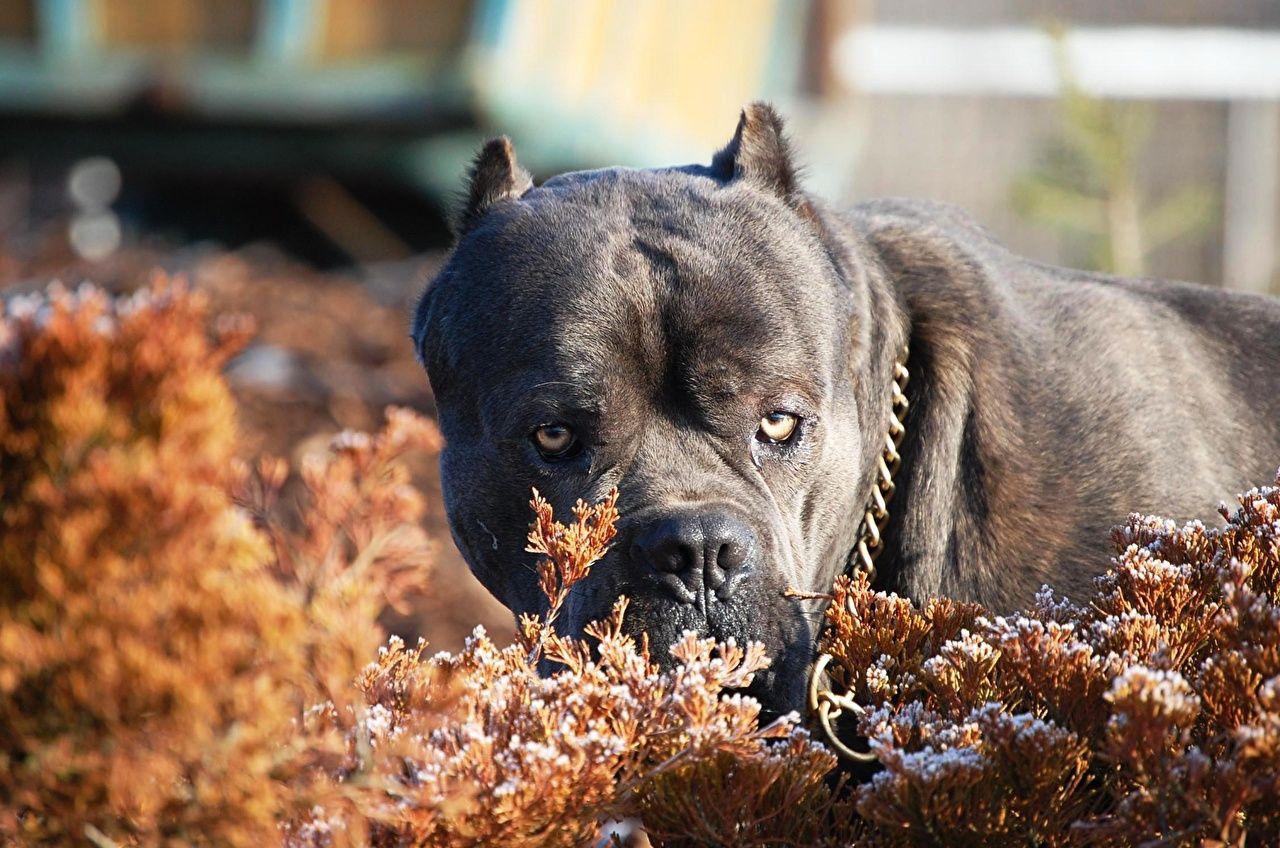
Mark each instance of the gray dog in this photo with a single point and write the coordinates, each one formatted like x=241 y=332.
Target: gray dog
x=721 y=347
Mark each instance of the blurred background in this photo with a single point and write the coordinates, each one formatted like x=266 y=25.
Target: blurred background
x=296 y=159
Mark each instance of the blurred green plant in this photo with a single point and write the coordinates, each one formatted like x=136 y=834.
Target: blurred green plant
x=1087 y=186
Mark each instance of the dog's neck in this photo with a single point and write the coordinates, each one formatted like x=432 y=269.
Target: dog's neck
x=875 y=516
x=969 y=452
x=879 y=331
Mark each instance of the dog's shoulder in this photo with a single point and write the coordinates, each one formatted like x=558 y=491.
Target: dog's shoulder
x=885 y=214
x=941 y=260
x=1047 y=391
x=937 y=248
x=910 y=225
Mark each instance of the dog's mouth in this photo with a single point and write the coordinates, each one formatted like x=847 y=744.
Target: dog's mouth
x=779 y=688
x=755 y=608
x=767 y=690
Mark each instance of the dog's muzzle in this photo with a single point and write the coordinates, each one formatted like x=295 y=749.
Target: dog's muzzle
x=696 y=553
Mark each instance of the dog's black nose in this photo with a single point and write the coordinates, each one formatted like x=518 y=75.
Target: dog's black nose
x=691 y=552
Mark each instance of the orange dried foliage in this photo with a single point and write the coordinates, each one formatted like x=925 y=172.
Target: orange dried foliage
x=568 y=552
x=1146 y=716
x=156 y=648
x=352 y=544
x=479 y=749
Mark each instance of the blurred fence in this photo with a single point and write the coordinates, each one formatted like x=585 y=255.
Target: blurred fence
x=1210 y=94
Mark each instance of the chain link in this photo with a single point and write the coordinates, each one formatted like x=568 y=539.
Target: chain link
x=823 y=700
x=876 y=516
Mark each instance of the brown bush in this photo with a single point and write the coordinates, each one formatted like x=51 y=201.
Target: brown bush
x=156 y=648
x=1147 y=715
x=182 y=661
x=184 y=658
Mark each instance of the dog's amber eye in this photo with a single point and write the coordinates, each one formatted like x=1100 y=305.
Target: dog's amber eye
x=777 y=427
x=554 y=440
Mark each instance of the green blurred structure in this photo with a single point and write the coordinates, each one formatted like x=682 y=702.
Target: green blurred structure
x=395 y=90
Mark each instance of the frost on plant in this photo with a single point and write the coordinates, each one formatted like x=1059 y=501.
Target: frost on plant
x=1144 y=714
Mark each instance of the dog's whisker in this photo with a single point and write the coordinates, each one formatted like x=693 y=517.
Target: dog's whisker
x=486 y=529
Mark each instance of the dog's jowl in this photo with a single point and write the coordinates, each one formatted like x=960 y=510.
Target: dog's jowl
x=721 y=347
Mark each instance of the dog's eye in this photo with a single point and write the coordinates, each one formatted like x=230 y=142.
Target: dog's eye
x=777 y=427
x=554 y=441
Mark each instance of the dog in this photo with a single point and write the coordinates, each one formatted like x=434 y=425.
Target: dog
x=722 y=347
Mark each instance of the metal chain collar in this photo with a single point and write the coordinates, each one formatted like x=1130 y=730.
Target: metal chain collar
x=823 y=700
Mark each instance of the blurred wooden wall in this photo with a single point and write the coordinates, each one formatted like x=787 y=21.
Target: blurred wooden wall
x=658 y=79
x=359 y=28
x=335 y=30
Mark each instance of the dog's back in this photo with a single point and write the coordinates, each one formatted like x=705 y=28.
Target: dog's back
x=1069 y=398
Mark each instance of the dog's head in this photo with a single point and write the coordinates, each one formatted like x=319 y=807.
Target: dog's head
x=689 y=335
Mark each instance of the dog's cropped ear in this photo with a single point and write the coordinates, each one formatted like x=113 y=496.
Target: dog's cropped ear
x=495 y=176
x=760 y=154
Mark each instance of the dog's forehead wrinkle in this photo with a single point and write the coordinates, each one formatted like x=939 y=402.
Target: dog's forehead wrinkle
x=576 y=263
x=701 y=369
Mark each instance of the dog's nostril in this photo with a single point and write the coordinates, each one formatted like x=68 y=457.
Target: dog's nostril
x=674 y=561
x=671 y=545
x=732 y=555
x=689 y=552
x=714 y=575
x=729 y=566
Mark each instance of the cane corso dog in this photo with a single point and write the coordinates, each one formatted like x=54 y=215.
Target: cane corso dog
x=719 y=345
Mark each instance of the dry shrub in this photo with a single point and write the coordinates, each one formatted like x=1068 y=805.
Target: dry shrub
x=1149 y=715
x=185 y=660
x=478 y=748
x=156 y=647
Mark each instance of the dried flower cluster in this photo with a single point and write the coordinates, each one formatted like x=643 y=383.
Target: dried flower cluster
x=185 y=656
x=1148 y=715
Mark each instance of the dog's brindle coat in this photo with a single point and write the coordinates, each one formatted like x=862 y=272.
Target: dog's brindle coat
x=656 y=315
